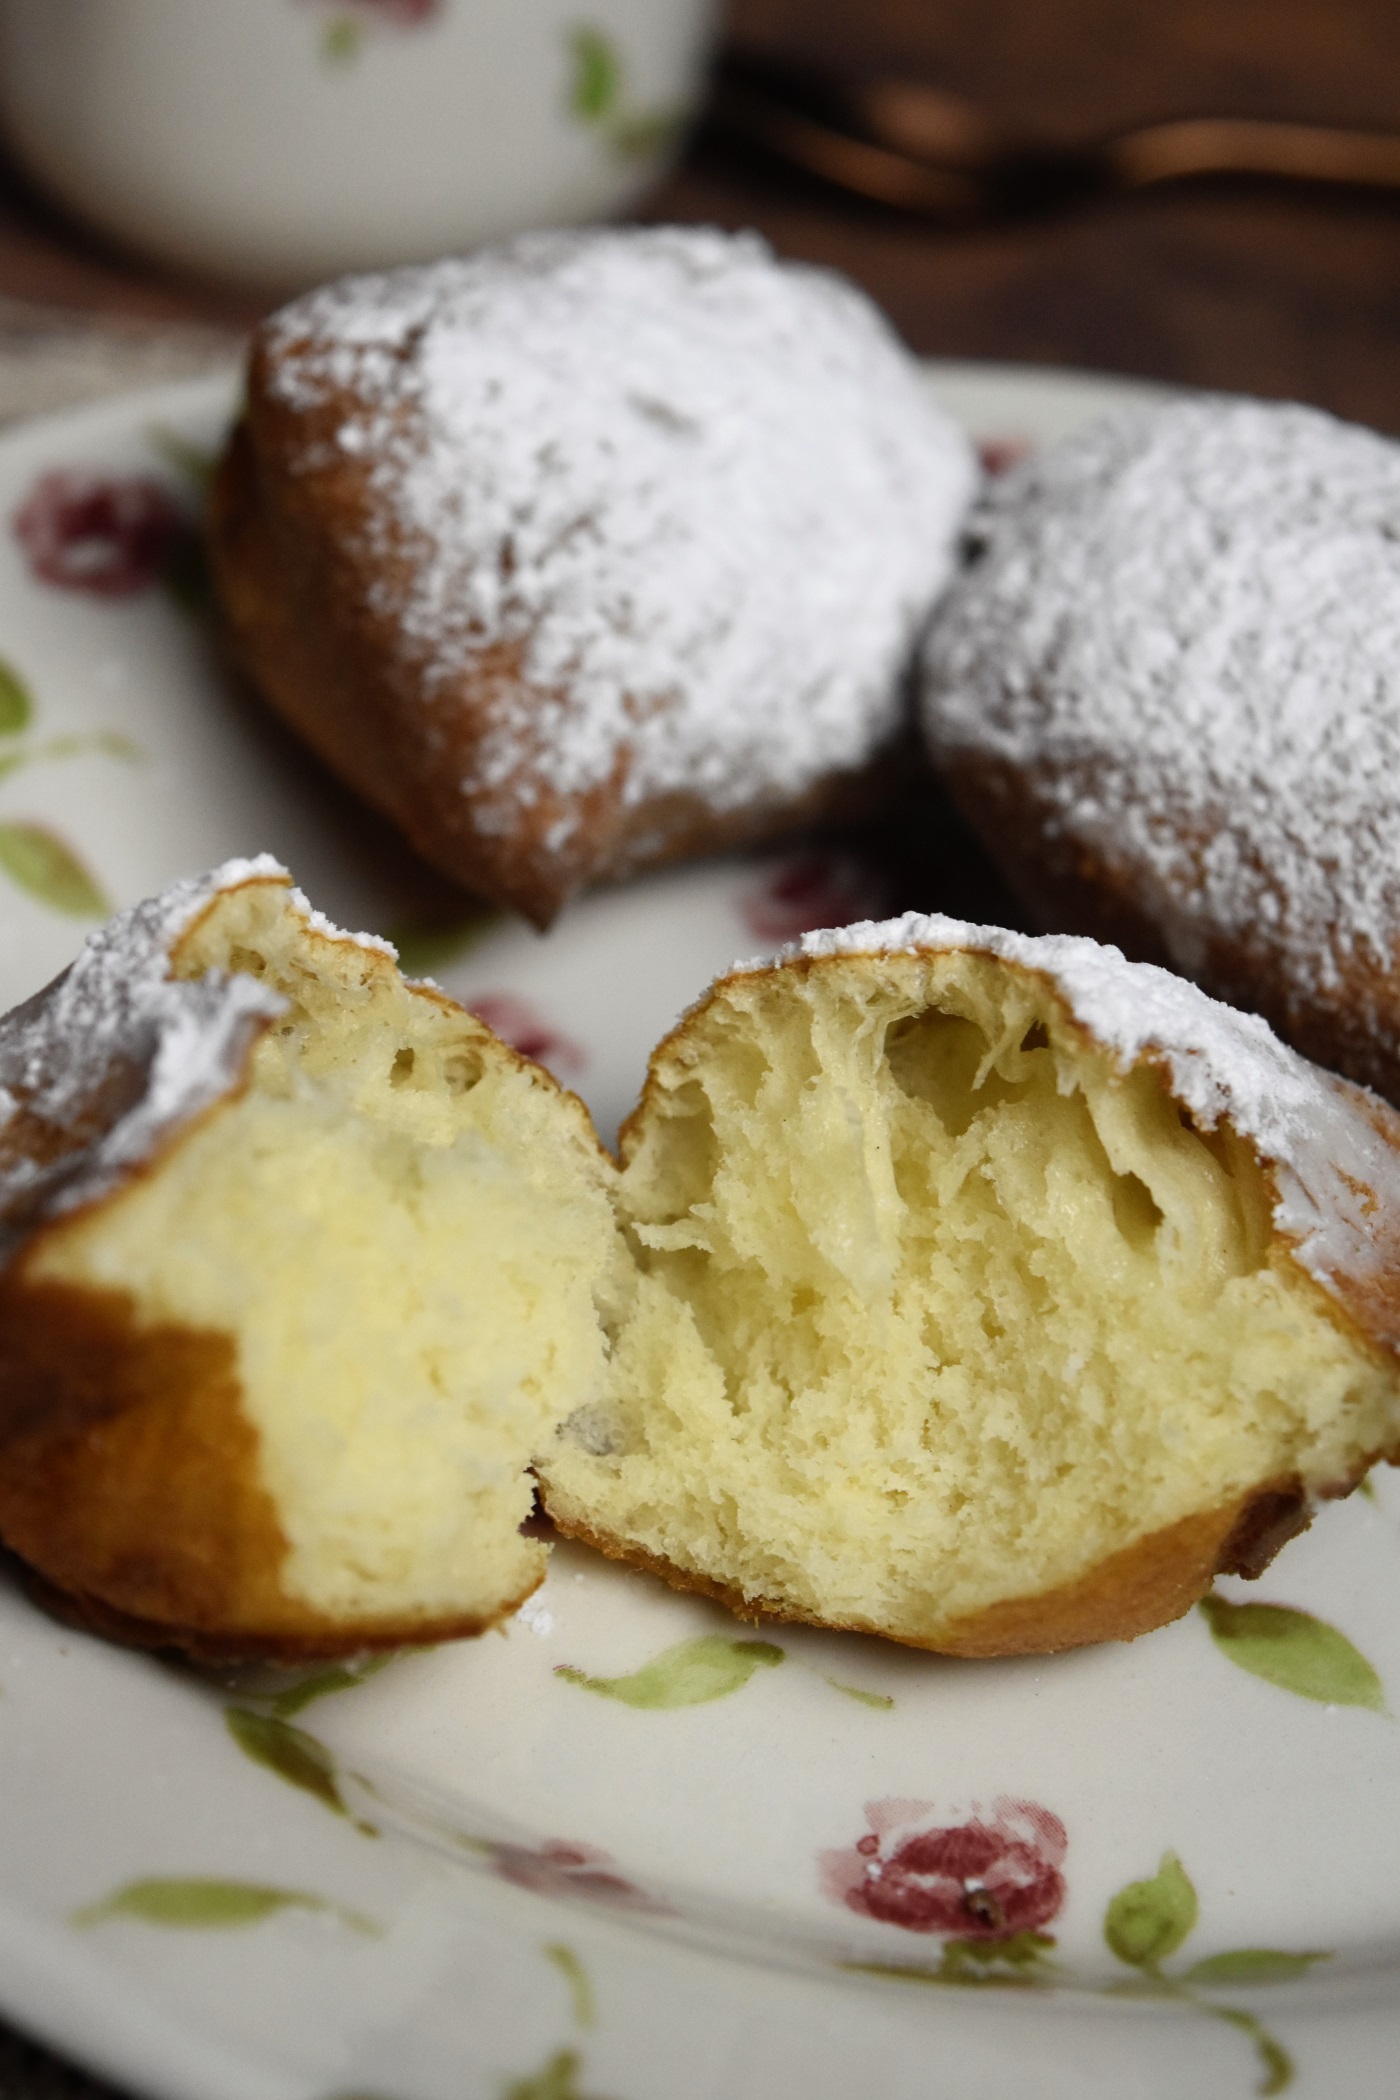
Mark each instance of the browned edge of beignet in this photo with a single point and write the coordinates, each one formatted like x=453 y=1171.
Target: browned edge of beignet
x=1146 y=1585
x=128 y=1466
x=1351 y=1025
x=295 y=589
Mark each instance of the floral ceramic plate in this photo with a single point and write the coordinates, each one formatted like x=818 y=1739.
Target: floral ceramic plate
x=630 y=1848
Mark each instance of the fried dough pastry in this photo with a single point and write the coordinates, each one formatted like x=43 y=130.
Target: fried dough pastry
x=1166 y=692
x=297 y=1267
x=588 y=551
x=992 y=1294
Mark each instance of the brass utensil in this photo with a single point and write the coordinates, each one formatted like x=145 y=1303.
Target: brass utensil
x=902 y=142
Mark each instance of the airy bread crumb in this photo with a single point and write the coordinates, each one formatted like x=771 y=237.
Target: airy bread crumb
x=401 y=1226
x=937 y=1307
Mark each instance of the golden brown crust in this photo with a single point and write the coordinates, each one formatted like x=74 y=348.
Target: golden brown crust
x=1351 y=1026
x=296 y=586
x=1145 y=1585
x=1155 y=1580
x=285 y=1650
x=130 y=1486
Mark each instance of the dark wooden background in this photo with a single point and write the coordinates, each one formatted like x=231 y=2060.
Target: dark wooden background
x=1273 y=292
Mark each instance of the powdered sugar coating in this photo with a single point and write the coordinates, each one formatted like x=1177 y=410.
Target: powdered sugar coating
x=317 y=922
x=707 y=494
x=116 y=1056
x=1183 y=628
x=1333 y=1167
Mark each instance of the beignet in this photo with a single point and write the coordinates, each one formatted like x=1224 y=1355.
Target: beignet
x=992 y=1294
x=1166 y=692
x=590 y=550
x=297 y=1267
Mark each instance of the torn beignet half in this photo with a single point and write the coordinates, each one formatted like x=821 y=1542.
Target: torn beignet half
x=297 y=1273
x=992 y=1294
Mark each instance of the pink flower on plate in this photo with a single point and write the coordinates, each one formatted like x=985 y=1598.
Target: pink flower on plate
x=557 y=1868
x=516 y=1022
x=398 y=14
x=999 y=455
x=983 y=1879
x=404 y=14
x=812 y=891
x=111 y=535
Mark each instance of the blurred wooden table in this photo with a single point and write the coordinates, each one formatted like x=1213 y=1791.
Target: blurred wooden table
x=1271 y=292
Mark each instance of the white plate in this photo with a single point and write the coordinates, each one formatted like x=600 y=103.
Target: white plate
x=573 y=1893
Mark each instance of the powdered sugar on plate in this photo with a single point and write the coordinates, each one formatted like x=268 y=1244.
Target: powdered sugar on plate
x=1322 y=1136
x=708 y=496
x=1183 y=626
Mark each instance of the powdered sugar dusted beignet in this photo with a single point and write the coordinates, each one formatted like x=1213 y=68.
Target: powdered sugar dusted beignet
x=993 y=1294
x=590 y=550
x=297 y=1272
x=1167 y=692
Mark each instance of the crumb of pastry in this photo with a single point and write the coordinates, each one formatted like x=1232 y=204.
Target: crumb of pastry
x=402 y=1225
x=942 y=1302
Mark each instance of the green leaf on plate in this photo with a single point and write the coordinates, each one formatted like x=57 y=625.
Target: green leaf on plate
x=687 y=1675
x=576 y=1976
x=1295 y=1651
x=39 y=861
x=340 y=1677
x=646 y=132
x=1251 y=1965
x=16 y=704
x=186 y=576
x=597 y=77
x=893 y=1971
x=1022 y=1954
x=192 y=1903
x=1148 y=1920
x=1274 y=2060
x=557 y=2081
x=1016 y=1963
x=1145 y=1984
x=882 y=1700
x=342 y=39
x=108 y=741
x=289 y=1752
x=195 y=464
x=423 y=949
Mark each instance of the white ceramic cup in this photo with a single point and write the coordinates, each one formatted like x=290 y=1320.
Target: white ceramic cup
x=282 y=141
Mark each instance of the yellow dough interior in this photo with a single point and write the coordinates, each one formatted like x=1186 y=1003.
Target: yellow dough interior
x=934 y=1309
x=435 y=1221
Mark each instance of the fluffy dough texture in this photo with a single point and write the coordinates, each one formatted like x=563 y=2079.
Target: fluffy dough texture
x=590 y=550
x=1166 y=690
x=992 y=1294
x=300 y=1267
